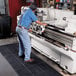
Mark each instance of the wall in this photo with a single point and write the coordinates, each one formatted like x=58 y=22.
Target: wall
x=14 y=8
x=2 y=6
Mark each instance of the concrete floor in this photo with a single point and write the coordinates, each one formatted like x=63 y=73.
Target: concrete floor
x=8 y=41
x=5 y=68
x=49 y=62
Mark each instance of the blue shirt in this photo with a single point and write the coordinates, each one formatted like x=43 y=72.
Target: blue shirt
x=27 y=18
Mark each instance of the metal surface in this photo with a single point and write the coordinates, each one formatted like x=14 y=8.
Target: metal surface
x=62 y=38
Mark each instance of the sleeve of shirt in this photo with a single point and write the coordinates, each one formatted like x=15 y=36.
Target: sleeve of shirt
x=33 y=17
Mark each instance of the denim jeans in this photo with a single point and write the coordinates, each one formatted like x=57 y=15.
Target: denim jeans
x=24 y=43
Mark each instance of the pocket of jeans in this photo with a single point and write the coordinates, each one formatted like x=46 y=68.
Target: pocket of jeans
x=18 y=29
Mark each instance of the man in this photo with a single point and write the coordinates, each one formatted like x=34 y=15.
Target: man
x=22 y=31
x=50 y=3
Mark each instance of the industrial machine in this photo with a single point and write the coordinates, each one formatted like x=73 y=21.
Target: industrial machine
x=57 y=40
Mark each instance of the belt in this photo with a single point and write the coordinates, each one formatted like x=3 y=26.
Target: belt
x=22 y=27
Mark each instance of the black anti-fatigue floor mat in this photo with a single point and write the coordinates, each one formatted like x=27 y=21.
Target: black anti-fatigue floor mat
x=39 y=68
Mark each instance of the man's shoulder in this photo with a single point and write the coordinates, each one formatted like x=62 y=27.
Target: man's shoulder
x=29 y=9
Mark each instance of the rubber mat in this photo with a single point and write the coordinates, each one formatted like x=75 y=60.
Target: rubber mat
x=39 y=68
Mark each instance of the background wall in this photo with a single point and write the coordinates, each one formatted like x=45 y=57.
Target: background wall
x=2 y=7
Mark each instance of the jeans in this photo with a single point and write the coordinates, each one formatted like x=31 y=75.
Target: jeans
x=24 y=43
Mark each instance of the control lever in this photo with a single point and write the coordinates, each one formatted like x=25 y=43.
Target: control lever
x=64 y=18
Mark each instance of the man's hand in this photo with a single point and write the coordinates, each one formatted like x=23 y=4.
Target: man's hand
x=44 y=24
x=30 y=30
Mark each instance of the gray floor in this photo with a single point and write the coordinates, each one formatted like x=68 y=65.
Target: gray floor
x=5 y=67
x=8 y=41
x=38 y=68
x=14 y=40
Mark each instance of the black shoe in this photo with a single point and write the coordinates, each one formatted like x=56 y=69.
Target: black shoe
x=22 y=56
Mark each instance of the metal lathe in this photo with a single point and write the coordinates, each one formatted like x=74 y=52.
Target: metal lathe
x=57 y=40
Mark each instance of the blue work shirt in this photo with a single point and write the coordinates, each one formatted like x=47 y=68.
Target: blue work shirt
x=27 y=18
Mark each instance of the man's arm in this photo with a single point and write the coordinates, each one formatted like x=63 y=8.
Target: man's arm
x=41 y=23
